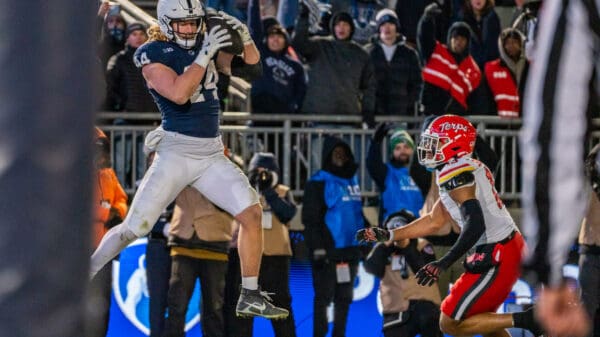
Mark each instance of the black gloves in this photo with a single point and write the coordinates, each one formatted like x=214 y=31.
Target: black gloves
x=429 y=274
x=372 y=234
x=433 y=10
x=261 y=180
x=380 y=132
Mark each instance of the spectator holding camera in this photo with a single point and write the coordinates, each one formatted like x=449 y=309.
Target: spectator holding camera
x=408 y=309
x=398 y=189
x=278 y=209
x=331 y=212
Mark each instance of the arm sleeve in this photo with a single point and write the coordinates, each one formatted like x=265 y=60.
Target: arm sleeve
x=301 y=41
x=473 y=229
x=375 y=166
x=377 y=259
x=283 y=208
x=254 y=21
x=313 y=215
x=417 y=258
x=426 y=37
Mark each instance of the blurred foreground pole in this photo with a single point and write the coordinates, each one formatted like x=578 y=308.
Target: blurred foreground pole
x=46 y=112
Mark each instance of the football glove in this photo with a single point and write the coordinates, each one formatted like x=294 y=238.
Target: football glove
x=372 y=234
x=216 y=39
x=236 y=24
x=429 y=274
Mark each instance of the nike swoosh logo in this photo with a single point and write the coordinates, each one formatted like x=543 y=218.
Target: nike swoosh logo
x=261 y=307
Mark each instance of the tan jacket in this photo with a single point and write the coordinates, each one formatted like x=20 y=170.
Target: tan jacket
x=590 y=228
x=396 y=292
x=194 y=213
x=277 y=239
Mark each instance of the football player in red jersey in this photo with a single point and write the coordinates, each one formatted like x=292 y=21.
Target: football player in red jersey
x=488 y=234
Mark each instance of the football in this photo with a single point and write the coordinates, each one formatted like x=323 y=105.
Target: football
x=214 y=19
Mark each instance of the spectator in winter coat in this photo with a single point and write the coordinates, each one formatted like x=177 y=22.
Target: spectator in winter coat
x=126 y=90
x=485 y=25
x=505 y=77
x=282 y=86
x=450 y=74
x=397 y=68
x=341 y=76
x=111 y=31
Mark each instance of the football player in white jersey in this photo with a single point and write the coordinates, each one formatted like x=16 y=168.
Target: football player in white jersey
x=488 y=234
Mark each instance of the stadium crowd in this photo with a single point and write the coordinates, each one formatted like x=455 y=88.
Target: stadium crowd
x=365 y=58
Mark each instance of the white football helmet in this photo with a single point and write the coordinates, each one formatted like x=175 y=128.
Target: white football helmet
x=169 y=11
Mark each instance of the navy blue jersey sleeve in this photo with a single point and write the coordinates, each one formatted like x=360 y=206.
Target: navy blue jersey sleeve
x=153 y=52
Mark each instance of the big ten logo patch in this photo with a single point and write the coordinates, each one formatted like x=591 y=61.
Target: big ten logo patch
x=130 y=289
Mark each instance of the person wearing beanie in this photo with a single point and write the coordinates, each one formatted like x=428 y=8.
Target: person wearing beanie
x=397 y=187
x=341 y=76
x=282 y=86
x=505 y=78
x=407 y=308
x=450 y=74
x=397 y=68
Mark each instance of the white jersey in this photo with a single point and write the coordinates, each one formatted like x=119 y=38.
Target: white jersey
x=498 y=222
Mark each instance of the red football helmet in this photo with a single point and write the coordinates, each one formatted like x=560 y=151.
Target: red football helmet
x=446 y=137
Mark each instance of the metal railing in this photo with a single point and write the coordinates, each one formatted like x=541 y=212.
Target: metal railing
x=295 y=143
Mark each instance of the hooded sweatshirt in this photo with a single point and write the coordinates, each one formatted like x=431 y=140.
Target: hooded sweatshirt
x=332 y=210
x=282 y=86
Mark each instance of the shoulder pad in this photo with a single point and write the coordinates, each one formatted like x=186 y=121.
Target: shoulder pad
x=152 y=52
x=465 y=178
x=455 y=168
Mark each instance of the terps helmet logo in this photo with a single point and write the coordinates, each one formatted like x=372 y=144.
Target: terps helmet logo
x=453 y=126
x=130 y=289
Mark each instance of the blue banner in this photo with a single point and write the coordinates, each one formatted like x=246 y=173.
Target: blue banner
x=129 y=308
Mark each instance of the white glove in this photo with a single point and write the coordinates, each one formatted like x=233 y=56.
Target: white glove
x=241 y=28
x=212 y=42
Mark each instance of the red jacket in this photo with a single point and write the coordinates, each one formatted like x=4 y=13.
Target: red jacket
x=504 y=88
x=459 y=80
